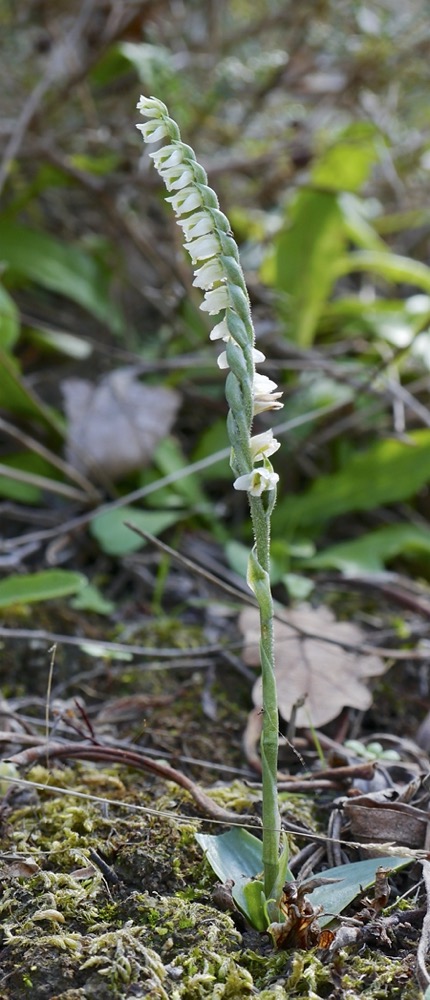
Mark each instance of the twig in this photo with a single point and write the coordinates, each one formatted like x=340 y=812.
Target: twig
x=424 y=943
x=129 y=758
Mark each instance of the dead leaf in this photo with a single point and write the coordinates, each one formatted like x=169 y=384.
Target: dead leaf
x=115 y=425
x=328 y=676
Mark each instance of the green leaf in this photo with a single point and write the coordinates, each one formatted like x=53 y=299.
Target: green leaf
x=25 y=461
x=47 y=585
x=386 y=472
x=353 y=879
x=90 y=598
x=67 y=344
x=9 y=320
x=391 y=266
x=372 y=551
x=307 y=261
x=116 y=539
x=346 y=165
x=64 y=269
x=237 y=855
x=18 y=399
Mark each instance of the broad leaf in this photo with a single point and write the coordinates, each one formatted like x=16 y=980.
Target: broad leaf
x=116 y=539
x=17 y=398
x=391 y=266
x=9 y=320
x=47 y=585
x=353 y=879
x=372 y=551
x=237 y=855
x=64 y=269
x=307 y=261
x=386 y=472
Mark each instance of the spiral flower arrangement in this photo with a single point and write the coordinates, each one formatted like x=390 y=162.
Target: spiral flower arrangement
x=217 y=271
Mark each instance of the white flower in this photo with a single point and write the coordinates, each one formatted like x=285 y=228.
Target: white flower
x=196 y=225
x=204 y=246
x=216 y=300
x=222 y=358
x=257 y=481
x=150 y=107
x=208 y=274
x=220 y=331
x=263 y=445
x=176 y=178
x=264 y=396
x=186 y=200
x=152 y=131
x=167 y=156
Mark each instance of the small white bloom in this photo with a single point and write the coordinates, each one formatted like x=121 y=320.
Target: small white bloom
x=264 y=396
x=204 y=246
x=263 y=445
x=152 y=131
x=151 y=107
x=257 y=481
x=216 y=300
x=186 y=200
x=176 y=178
x=258 y=356
x=196 y=225
x=222 y=358
x=220 y=331
x=263 y=384
x=167 y=156
x=208 y=274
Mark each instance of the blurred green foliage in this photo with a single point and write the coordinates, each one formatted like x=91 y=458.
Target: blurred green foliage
x=321 y=158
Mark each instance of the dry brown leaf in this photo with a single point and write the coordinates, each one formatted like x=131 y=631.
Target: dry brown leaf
x=328 y=676
x=115 y=426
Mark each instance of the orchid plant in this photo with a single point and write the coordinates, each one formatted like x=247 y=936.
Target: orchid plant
x=217 y=271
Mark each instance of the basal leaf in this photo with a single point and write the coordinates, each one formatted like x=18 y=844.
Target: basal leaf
x=237 y=855
x=44 y=586
x=353 y=879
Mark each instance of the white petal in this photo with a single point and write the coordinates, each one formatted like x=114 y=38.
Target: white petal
x=208 y=274
x=186 y=201
x=222 y=360
x=258 y=356
x=150 y=107
x=220 y=331
x=263 y=445
x=167 y=156
x=203 y=247
x=216 y=300
x=152 y=131
x=270 y=403
x=257 y=482
x=176 y=178
x=263 y=384
x=196 y=225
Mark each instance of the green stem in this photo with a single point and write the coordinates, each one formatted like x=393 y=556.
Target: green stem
x=259 y=572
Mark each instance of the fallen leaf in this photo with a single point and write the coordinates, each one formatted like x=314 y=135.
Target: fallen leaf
x=328 y=676
x=115 y=425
